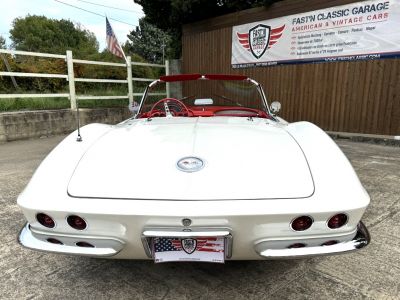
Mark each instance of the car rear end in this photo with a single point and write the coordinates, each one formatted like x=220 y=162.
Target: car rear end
x=251 y=229
x=291 y=201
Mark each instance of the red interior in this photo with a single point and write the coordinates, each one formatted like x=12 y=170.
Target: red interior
x=185 y=77
x=209 y=111
x=178 y=108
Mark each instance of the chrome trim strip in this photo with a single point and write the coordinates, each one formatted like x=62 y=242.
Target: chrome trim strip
x=332 y=235
x=149 y=234
x=76 y=236
x=27 y=240
x=360 y=240
x=185 y=234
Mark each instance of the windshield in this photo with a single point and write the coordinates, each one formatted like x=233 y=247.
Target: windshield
x=203 y=97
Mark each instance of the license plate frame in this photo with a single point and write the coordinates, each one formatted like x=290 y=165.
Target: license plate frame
x=198 y=249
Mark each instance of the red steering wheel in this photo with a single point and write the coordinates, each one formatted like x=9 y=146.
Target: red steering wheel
x=165 y=101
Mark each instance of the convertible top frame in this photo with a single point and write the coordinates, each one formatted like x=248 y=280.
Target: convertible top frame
x=191 y=77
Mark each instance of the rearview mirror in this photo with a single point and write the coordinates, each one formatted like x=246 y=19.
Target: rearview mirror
x=275 y=107
x=205 y=101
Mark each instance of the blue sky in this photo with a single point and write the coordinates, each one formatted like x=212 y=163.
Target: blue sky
x=9 y=10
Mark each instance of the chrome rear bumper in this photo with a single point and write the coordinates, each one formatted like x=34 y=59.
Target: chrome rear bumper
x=107 y=246
x=360 y=240
x=28 y=239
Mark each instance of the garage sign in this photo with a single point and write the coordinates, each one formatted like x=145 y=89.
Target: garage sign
x=357 y=31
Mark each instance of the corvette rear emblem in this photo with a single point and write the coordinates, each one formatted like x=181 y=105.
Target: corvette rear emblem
x=260 y=38
x=189 y=245
x=190 y=164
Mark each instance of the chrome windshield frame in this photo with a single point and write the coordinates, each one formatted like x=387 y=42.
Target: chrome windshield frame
x=252 y=81
x=262 y=93
x=146 y=91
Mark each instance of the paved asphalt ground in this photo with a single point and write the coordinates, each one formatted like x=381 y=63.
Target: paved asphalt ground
x=373 y=273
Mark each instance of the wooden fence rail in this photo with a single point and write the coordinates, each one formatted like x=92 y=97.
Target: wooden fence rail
x=71 y=78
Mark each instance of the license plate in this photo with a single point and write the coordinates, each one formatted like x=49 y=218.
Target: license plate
x=207 y=249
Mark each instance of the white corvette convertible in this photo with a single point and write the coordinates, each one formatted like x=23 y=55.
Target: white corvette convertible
x=209 y=173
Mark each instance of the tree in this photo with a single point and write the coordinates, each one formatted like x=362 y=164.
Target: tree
x=148 y=42
x=169 y=15
x=113 y=72
x=2 y=42
x=41 y=34
x=5 y=81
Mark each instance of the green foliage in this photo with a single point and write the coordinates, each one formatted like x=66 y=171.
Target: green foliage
x=5 y=81
x=58 y=66
x=40 y=65
x=170 y=15
x=2 y=42
x=41 y=34
x=147 y=41
x=116 y=72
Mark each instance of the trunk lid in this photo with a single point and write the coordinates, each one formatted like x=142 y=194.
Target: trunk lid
x=242 y=160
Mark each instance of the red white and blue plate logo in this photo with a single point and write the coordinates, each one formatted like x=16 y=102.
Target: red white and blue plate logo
x=209 y=249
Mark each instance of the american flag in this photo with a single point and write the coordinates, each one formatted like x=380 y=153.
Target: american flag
x=112 y=42
x=208 y=244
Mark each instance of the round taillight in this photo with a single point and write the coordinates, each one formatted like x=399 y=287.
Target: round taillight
x=337 y=221
x=45 y=220
x=76 y=222
x=329 y=243
x=297 y=245
x=84 y=244
x=54 y=241
x=302 y=223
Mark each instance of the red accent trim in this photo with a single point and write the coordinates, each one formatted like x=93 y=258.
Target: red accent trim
x=242 y=35
x=276 y=36
x=277 y=30
x=225 y=77
x=209 y=111
x=186 y=77
x=180 y=77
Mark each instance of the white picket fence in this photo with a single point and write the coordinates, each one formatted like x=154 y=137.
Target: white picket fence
x=73 y=97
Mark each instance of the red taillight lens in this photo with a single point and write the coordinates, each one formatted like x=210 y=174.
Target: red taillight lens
x=84 y=244
x=76 y=222
x=302 y=223
x=337 y=221
x=45 y=220
x=54 y=241
x=329 y=243
x=297 y=245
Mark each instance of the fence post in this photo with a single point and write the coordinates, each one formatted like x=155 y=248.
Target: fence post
x=167 y=71
x=129 y=78
x=71 y=79
x=9 y=70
